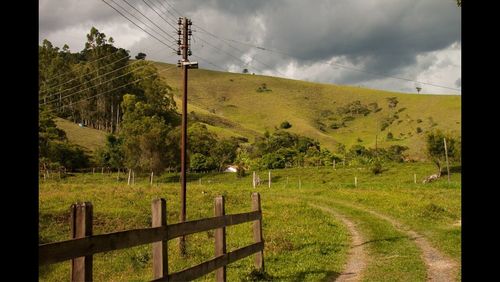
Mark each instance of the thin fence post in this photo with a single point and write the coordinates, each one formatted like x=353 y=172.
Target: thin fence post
x=269 y=179
x=93 y=170
x=152 y=175
x=447 y=163
x=129 y=174
x=355 y=181
x=81 y=226
x=253 y=180
x=220 y=239
x=257 y=232
x=160 y=249
x=415 y=178
x=333 y=164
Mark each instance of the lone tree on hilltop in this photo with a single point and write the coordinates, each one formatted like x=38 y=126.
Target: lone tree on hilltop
x=140 y=56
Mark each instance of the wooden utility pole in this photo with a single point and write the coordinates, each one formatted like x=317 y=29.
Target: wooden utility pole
x=447 y=164
x=184 y=33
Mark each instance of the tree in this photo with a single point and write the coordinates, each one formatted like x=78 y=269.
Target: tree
x=245 y=70
x=140 y=56
x=111 y=155
x=145 y=132
x=224 y=153
x=436 y=151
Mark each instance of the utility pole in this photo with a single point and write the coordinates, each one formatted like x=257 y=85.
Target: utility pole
x=184 y=33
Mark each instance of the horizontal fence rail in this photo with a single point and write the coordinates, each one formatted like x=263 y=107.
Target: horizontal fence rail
x=83 y=245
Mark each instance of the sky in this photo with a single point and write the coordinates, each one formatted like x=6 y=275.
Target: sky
x=364 y=43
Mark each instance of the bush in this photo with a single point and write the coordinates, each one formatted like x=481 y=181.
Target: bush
x=390 y=136
x=377 y=168
x=392 y=102
x=285 y=125
x=419 y=130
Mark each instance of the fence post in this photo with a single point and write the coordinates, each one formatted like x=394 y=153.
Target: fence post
x=253 y=180
x=152 y=178
x=220 y=239
x=160 y=249
x=81 y=226
x=269 y=179
x=415 y=178
x=257 y=232
x=129 y=174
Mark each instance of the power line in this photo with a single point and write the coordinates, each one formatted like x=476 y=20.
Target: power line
x=217 y=66
x=149 y=20
x=59 y=85
x=139 y=26
x=343 y=66
x=221 y=50
x=159 y=14
x=81 y=76
x=97 y=77
x=79 y=91
x=220 y=39
x=171 y=6
x=152 y=29
x=87 y=98
x=49 y=79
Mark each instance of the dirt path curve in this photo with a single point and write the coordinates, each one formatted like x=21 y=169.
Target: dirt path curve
x=357 y=259
x=440 y=268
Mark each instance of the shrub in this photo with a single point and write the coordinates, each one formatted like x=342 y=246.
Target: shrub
x=390 y=136
x=285 y=125
x=419 y=130
x=377 y=168
x=392 y=102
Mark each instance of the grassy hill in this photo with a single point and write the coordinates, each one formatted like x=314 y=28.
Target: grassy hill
x=89 y=138
x=233 y=104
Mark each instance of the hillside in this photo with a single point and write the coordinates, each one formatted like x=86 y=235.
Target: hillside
x=89 y=138
x=246 y=105
x=233 y=104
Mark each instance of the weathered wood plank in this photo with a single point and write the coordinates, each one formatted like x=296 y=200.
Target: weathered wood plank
x=195 y=226
x=64 y=250
x=209 y=266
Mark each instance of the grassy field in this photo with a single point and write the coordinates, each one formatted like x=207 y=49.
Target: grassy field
x=302 y=242
x=311 y=108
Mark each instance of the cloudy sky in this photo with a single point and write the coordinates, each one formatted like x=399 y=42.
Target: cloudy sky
x=367 y=43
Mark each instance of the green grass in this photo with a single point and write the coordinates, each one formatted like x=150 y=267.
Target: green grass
x=87 y=137
x=233 y=97
x=299 y=244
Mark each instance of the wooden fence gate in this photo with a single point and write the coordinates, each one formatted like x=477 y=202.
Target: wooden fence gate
x=84 y=244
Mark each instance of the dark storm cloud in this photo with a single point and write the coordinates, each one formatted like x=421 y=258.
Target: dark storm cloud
x=383 y=36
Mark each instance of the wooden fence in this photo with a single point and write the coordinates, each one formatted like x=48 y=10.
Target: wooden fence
x=84 y=244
